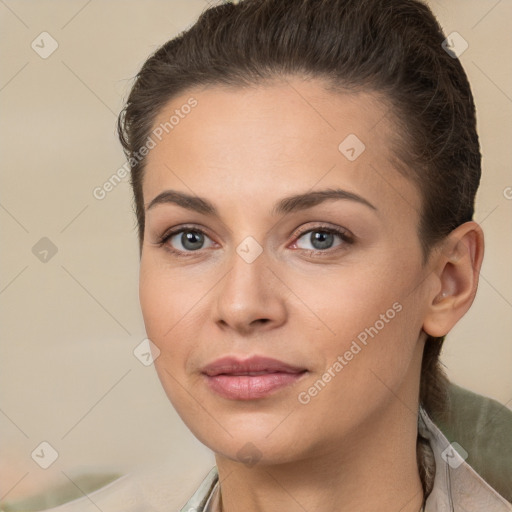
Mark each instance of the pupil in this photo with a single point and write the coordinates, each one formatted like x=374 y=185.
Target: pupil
x=191 y=240
x=318 y=239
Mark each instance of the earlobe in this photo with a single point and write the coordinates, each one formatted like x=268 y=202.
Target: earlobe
x=457 y=269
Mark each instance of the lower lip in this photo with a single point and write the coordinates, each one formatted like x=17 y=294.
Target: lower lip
x=250 y=387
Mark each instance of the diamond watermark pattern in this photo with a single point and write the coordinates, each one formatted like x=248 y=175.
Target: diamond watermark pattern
x=146 y=352
x=44 y=45
x=351 y=147
x=454 y=455
x=44 y=250
x=249 y=454
x=45 y=455
x=455 y=45
x=249 y=249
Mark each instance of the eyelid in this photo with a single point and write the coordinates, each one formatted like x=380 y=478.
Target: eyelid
x=169 y=233
x=319 y=226
x=346 y=236
x=183 y=227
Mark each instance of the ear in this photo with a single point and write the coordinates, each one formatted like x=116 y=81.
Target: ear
x=457 y=268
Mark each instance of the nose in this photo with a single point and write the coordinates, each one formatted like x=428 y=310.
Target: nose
x=250 y=297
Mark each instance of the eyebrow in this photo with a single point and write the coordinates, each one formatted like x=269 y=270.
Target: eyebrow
x=286 y=205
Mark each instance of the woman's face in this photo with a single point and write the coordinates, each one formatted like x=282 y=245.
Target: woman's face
x=267 y=265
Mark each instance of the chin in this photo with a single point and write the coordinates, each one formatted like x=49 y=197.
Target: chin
x=250 y=440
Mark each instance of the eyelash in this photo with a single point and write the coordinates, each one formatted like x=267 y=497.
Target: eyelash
x=344 y=235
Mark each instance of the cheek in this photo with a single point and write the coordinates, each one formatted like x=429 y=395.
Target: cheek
x=352 y=300
x=366 y=365
x=174 y=307
x=164 y=310
x=166 y=302
x=156 y=304
x=373 y=321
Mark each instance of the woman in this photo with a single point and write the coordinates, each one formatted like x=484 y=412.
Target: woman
x=304 y=175
x=305 y=222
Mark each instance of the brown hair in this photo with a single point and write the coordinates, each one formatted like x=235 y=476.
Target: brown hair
x=389 y=47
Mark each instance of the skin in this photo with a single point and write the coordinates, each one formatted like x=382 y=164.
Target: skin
x=353 y=445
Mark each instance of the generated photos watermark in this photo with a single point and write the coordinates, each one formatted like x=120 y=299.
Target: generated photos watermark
x=355 y=348
x=151 y=142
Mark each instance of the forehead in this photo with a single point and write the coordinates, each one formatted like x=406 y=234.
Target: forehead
x=276 y=139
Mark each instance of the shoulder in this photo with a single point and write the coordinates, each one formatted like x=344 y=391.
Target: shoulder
x=483 y=427
x=472 y=445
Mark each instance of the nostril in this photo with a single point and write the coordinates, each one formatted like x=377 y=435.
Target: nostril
x=263 y=320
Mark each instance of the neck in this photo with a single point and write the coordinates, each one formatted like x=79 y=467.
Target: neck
x=373 y=469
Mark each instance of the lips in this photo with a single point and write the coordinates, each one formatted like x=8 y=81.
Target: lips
x=255 y=365
x=253 y=378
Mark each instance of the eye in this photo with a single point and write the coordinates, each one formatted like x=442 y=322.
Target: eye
x=323 y=238
x=185 y=240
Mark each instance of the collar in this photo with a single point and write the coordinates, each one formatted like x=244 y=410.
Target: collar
x=457 y=486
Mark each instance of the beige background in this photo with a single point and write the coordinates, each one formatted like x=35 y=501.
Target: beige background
x=70 y=325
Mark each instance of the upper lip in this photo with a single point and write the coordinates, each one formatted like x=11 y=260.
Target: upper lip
x=254 y=365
